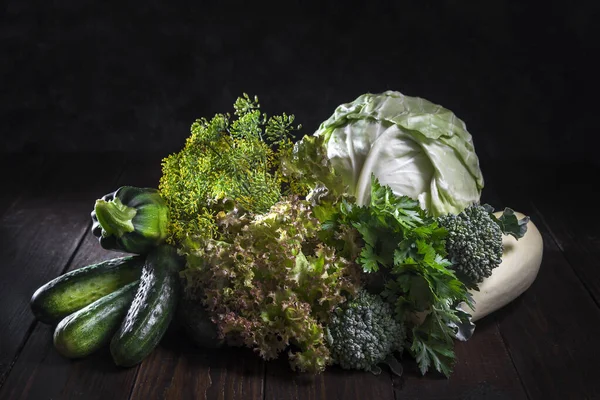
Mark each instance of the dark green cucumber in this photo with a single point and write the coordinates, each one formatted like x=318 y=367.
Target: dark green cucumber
x=91 y=328
x=76 y=289
x=152 y=309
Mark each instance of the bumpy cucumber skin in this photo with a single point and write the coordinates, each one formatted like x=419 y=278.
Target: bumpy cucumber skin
x=152 y=308
x=91 y=328
x=74 y=290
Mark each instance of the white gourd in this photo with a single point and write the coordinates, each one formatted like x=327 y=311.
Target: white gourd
x=521 y=262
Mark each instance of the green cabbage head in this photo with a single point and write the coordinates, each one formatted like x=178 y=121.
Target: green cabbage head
x=418 y=148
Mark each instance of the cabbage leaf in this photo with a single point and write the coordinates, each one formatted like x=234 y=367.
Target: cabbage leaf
x=419 y=149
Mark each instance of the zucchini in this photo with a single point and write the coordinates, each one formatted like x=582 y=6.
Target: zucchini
x=131 y=219
x=74 y=290
x=89 y=329
x=152 y=309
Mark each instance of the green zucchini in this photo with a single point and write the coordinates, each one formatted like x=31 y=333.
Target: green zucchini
x=152 y=309
x=131 y=219
x=74 y=290
x=89 y=329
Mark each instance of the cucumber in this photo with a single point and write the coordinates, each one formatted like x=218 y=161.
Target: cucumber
x=152 y=309
x=76 y=289
x=89 y=329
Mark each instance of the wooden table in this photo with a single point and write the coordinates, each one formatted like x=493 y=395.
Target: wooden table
x=544 y=345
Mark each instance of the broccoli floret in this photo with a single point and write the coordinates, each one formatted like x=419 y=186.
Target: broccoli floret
x=363 y=333
x=474 y=243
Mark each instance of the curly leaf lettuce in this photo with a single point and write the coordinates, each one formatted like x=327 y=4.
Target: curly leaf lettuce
x=274 y=284
x=419 y=149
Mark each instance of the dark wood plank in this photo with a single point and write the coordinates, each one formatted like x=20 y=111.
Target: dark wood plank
x=39 y=234
x=560 y=196
x=483 y=370
x=24 y=171
x=551 y=330
x=40 y=371
x=334 y=383
x=179 y=370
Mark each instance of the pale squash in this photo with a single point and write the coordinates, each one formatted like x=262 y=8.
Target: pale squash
x=521 y=262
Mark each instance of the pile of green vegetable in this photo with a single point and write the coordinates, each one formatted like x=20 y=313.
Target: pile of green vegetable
x=346 y=247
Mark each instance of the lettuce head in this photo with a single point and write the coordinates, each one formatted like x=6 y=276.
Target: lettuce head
x=418 y=148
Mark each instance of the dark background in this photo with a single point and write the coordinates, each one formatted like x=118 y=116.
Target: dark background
x=80 y=77
x=83 y=76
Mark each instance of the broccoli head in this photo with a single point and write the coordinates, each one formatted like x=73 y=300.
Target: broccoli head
x=474 y=243
x=363 y=333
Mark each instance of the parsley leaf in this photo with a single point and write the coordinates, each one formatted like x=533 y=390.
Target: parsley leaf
x=407 y=246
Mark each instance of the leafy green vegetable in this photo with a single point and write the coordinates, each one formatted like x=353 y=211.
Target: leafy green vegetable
x=419 y=149
x=285 y=242
x=510 y=224
x=266 y=279
x=309 y=171
x=274 y=284
x=225 y=158
x=407 y=247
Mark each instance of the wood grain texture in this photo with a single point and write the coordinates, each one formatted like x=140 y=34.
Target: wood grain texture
x=94 y=377
x=39 y=363
x=483 y=370
x=177 y=369
x=25 y=171
x=39 y=235
x=541 y=346
x=552 y=330
x=563 y=196
x=41 y=373
x=334 y=383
